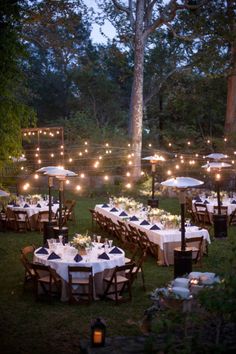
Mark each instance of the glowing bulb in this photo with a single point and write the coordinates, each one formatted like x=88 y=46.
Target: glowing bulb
x=169 y=172
x=189 y=142
x=218 y=176
x=70 y=159
x=39 y=161
x=78 y=187
x=52 y=155
x=130 y=163
x=196 y=155
x=61 y=153
x=100 y=157
x=86 y=150
x=128 y=174
x=85 y=143
x=107 y=144
x=128 y=185
x=33 y=133
x=25 y=134
x=142 y=173
x=106 y=178
x=225 y=139
x=38 y=149
x=80 y=154
x=44 y=133
x=36 y=155
x=26 y=186
x=177 y=167
x=22 y=167
x=67 y=181
x=170 y=144
x=58 y=132
x=29 y=133
x=82 y=175
x=208 y=141
x=36 y=176
x=128 y=145
x=150 y=145
x=182 y=161
x=62 y=146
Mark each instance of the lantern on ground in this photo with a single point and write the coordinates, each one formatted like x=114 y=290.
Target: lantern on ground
x=98 y=333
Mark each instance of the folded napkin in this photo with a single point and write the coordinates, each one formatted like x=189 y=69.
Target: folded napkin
x=53 y=255
x=51 y=204
x=78 y=258
x=103 y=256
x=133 y=218
x=26 y=205
x=105 y=205
x=144 y=222
x=197 y=199
x=16 y=205
x=38 y=205
x=206 y=202
x=233 y=201
x=123 y=213
x=42 y=250
x=154 y=227
x=115 y=250
x=113 y=209
x=11 y=202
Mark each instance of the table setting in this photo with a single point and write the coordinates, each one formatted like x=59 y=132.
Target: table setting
x=102 y=257
x=161 y=227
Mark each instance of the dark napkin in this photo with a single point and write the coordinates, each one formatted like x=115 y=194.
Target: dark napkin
x=103 y=256
x=16 y=205
x=42 y=250
x=53 y=255
x=155 y=227
x=206 y=202
x=233 y=202
x=78 y=258
x=51 y=204
x=123 y=213
x=105 y=205
x=113 y=209
x=38 y=205
x=197 y=199
x=26 y=205
x=11 y=202
x=115 y=250
x=144 y=222
x=133 y=218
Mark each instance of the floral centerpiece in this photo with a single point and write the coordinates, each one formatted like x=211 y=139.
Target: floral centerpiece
x=127 y=203
x=154 y=214
x=170 y=221
x=80 y=242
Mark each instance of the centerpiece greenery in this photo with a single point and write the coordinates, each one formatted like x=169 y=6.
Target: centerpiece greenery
x=80 y=242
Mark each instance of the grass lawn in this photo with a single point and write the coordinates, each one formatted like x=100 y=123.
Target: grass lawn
x=28 y=327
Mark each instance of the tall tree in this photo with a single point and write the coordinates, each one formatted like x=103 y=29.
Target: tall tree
x=14 y=114
x=136 y=21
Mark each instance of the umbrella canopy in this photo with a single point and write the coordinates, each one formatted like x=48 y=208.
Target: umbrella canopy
x=60 y=172
x=46 y=169
x=217 y=156
x=154 y=158
x=182 y=182
x=3 y=193
x=216 y=165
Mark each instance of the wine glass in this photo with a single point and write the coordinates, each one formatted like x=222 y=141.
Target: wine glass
x=110 y=242
x=98 y=238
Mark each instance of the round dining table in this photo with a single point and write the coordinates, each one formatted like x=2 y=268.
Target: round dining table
x=101 y=267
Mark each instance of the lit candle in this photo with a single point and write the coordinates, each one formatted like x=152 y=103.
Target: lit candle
x=97 y=337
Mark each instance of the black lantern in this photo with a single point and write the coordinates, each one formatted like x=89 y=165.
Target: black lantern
x=98 y=333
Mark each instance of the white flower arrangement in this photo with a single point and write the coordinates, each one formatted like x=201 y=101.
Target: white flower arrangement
x=127 y=203
x=170 y=220
x=81 y=241
x=156 y=212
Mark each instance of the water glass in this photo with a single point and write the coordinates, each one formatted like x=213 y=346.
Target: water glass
x=110 y=242
x=98 y=239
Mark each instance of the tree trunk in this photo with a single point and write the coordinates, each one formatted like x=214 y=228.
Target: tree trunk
x=230 y=119
x=136 y=108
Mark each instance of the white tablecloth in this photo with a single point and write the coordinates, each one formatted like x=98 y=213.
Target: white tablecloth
x=163 y=238
x=33 y=209
x=213 y=202
x=100 y=267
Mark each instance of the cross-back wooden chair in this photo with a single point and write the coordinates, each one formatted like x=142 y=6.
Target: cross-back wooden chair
x=117 y=283
x=94 y=218
x=11 y=221
x=125 y=232
x=223 y=209
x=147 y=244
x=43 y=216
x=46 y=280
x=80 y=284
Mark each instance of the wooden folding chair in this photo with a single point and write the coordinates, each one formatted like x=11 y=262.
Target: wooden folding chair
x=202 y=214
x=80 y=284
x=22 y=221
x=196 y=246
x=26 y=259
x=47 y=280
x=232 y=218
x=117 y=283
x=138 y=267
x=43 y=216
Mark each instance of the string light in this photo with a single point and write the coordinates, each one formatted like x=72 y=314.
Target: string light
x=70 y=159
x=128 y=185
x=169 y=172
x=82 y=175
x=78 y=187
x=128 y=174
x=36 y=176
x=67 y=181
x=26 y=186
x=52 y=155
x=106 y=178
x=39 y=161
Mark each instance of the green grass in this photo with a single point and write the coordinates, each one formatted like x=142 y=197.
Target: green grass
x=27 y=326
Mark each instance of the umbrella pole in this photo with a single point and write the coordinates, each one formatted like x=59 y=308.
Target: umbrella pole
x=182 y=208
x=50 y=185
x=218 y=196
x=61 y=185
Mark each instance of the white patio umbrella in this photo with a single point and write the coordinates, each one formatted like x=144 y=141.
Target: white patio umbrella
x=4 y=193
x=154 y=159
x=217 y=156
x=217 y=166
x=182 y=183
x=61 y=174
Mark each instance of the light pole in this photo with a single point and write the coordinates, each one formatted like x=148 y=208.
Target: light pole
x=182 y=257
x=153 y=202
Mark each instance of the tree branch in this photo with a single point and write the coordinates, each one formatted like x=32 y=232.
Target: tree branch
x=127 y=10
